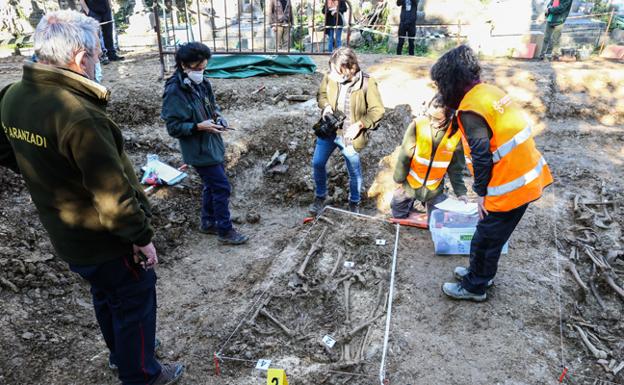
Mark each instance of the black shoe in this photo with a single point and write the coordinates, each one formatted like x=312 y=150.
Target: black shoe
x=233 y=237
x=317 y=206
x=354 y=207
x=170 y=374
x=114 y=57
x=210 y=230
x=104 y=60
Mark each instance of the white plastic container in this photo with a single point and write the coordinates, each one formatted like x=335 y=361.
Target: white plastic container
x=452 y=232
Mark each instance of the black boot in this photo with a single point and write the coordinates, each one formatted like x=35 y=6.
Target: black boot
x=317 y=206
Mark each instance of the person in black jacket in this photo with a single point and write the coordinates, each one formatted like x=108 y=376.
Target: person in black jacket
x=194 y=118
x=407 y=26
x=101 y=11
x=333 y=10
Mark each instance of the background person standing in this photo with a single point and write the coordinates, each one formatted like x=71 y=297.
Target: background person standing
x=407 y=25
x=556 y=14
x=281 y=18
x=101 y=11
x=334 y=22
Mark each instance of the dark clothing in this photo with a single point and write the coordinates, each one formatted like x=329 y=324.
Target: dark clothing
x=71 y=157
x=478 y=134
x=492 y=233
x=408 y=16
x=215 y=198
x=334 y=20
x=558 y=15
x=402 y=203
x=279 y=12
x=184 y=105
x=124 y=298
x=105 y=17
x=406 y=31
x=98 y=6
x=404 y=160
x=552 y=36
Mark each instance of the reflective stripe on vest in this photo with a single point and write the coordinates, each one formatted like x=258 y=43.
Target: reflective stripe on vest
x=514 y=142
x=518 y=182
x=420 y=180
x=436 y=164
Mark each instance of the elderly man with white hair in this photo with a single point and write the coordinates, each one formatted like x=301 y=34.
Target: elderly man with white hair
x=56 y=133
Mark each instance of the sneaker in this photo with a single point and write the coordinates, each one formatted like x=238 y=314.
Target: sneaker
x=104 y=60
x=113 y=366
x=114 y=57
x=456 y=291
x=317 y=206
x=170 y=374
x=354 y=207
x=210 y=230
x=233 y=237
x=460 y=272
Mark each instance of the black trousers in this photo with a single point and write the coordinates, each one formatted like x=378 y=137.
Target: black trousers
x=107 y=30
x=492 y=233
x=408 y=30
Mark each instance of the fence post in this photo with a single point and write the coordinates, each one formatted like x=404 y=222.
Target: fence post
x=606 y=35
x=161 y=55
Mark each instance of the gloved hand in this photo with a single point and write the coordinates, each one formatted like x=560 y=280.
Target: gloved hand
x=149 y=251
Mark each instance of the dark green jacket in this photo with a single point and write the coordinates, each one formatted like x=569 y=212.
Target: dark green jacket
x=71 y=157
x=558 y=15
x=184 y=105
x=454 y=171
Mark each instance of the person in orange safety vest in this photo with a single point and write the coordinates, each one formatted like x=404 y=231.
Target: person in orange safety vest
x=509 y=172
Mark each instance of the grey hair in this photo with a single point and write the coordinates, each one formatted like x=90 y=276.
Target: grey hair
x=61 y=35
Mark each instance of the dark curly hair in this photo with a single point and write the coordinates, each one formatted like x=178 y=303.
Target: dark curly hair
x=190 y=53
x=455 y=73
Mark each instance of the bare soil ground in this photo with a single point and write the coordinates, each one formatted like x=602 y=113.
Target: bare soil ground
x=48 y=334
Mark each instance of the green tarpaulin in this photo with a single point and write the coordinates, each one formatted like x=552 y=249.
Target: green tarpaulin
x=245 y=66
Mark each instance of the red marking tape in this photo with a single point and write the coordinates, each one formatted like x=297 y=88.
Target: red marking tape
x=565 y=371
x=307 y=220
x=217 y=367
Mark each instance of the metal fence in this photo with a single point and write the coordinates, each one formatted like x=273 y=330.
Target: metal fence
x=248 y=26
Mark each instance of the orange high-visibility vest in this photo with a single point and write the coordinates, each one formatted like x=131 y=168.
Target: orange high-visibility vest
x=520 y=172
x=428 y=169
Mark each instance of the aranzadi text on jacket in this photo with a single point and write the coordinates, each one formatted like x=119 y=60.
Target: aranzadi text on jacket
x=26 y=136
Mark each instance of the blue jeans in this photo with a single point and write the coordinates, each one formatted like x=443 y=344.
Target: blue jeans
x=124 y=299
x=492 y=233
x=215 y=209
x=322 y=152
x=334 y=43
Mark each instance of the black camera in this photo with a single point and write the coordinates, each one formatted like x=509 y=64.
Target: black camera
x=327 y=126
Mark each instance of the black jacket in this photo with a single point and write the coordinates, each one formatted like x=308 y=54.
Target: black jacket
x=332 y=20
x=184 y=105
x=408 y=17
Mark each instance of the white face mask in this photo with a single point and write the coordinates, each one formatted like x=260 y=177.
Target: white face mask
x=98 y=73
x=196 y=76
x=338 y=78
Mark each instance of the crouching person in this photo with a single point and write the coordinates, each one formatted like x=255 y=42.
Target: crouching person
x=193 y=117
x=350 y=92
x=430 y=150
x=70 y=154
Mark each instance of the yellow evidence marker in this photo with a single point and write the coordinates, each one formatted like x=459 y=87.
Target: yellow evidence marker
x=276 y=377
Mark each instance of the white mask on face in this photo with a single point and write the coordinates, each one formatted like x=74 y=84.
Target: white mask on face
x=98 y=73
x=337 y=77
x=196 y=76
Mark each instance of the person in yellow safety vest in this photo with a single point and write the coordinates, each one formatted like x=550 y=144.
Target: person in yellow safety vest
x=509 y=172
x=430 y=150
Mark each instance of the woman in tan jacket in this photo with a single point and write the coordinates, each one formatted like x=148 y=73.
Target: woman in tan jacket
x=350 y=91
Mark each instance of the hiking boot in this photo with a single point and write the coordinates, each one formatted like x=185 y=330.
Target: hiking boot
x=113 y=366
x=104 y=60
x=210 y=230
x=115 y=57
x=317 y=206
x=233 y=237
x=170 y=374
x=460 y=272
x=456 y=291
x=354 y=207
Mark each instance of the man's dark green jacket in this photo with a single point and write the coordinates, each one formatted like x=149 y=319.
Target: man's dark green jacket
x=71 y=157
x=184 y=105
